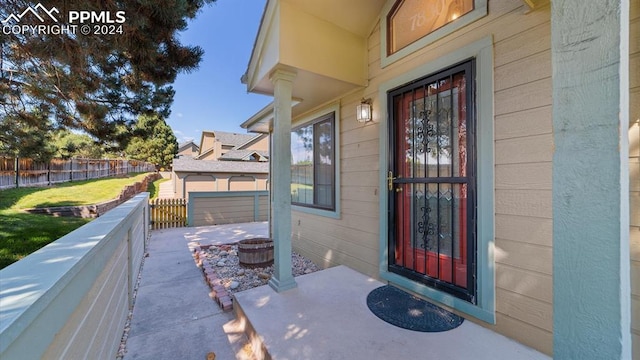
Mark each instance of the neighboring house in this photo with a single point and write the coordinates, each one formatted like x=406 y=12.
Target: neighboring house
x=215 y=144
x=490 y=178
x=224 y=162
x=188 y=149
x=206 y=175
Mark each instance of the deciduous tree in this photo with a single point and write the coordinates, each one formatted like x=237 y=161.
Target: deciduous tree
x=71 y=144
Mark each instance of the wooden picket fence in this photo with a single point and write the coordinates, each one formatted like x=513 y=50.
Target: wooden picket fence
x=168 y=213
x=23 y=172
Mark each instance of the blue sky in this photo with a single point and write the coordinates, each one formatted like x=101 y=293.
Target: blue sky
x=212 y=97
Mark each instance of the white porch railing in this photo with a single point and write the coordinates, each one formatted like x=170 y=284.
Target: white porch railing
x=70 y=299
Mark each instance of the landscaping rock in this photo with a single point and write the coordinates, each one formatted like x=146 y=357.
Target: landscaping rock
x=228 y=271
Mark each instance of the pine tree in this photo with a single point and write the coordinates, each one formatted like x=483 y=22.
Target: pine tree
x=99 y=84
x=153 y=141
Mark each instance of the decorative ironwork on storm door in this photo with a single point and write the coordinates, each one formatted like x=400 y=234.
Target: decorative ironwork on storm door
x=432 y=181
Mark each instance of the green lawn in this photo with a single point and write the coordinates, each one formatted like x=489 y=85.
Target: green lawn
x=22 y=233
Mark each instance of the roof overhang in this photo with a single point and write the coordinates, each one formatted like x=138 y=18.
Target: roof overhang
x=323 y=42
x=262 y=121
x=253 y=140
x=187 y=144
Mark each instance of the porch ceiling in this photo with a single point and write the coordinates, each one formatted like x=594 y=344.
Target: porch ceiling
x=309 y=89
x=356 y=16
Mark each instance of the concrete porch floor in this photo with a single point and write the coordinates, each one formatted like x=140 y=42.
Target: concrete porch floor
x=326 y=317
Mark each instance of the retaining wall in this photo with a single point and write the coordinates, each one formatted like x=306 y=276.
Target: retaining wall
x=94 y=211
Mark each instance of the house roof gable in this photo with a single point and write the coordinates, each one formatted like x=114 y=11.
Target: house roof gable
x=186 y=145
x=244 y=155
x=254 y=139
x=228 y=138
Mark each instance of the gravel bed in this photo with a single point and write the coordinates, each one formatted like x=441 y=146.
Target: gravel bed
x=224 y=259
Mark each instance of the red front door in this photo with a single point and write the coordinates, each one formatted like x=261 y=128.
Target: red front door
x=432 y=181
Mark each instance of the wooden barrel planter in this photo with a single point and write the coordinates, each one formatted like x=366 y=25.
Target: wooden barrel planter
x=256 y=252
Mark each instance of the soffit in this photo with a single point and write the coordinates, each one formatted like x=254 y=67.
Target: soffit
x=356 y=16
x=277 y=38
x=305 y=98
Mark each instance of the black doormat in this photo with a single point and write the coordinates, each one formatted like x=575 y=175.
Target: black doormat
x=404 y=310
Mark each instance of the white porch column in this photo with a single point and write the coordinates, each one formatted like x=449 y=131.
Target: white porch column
x=591 y=266
x=281 y=180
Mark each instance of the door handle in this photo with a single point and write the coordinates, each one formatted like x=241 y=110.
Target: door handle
x=390 y=179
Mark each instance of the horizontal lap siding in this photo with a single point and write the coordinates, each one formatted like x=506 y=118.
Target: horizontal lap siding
x=523 y=198
x=263 y=212
x=352 y=239
x=84 y=295
x=89 y=332
x=634 y=171
x=523 y=155
x=137 y=248
x=335 y=245
x=222 y=210
x=226 y=210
